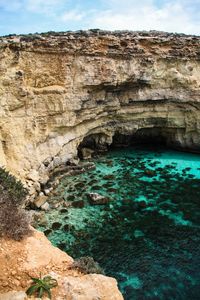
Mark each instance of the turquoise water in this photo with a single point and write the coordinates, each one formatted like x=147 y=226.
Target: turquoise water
x=147 y=236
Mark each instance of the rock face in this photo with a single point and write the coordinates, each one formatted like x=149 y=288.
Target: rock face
x=35 y=255
x=59 y=90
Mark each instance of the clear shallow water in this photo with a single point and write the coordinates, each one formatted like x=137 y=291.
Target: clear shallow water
x=148 y=236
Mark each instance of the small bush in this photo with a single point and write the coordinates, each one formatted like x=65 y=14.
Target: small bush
x=12 y=187
x=87 y=265
x=40 y=286
x=14 y=221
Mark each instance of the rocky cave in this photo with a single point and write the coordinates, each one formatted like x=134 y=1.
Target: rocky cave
x=80 y=97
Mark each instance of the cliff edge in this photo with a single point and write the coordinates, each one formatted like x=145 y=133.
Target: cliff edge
x=35 y=256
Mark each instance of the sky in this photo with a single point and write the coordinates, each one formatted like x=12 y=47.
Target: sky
x=30 y=16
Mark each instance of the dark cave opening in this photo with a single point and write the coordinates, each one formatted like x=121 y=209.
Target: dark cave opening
x=144 y=136
x=93 y=144
x=99 y=142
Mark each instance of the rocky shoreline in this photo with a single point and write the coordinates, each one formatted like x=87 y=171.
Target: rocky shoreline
x=71 y=169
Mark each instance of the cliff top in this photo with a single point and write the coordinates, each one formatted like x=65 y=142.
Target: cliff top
x=99 y=32
x=97 y=42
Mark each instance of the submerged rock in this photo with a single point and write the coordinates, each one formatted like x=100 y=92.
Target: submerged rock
x=47 y=232
x=68 y=227
x=61 y=246
x=70 y=198
x=63 y=211
x=56 y=225
x=142 y=204
x=78 y=204
x=79 y=185
x=109 y=176
x=96 y=187
x=112 y=190
x=149 y=173
x=89 y=166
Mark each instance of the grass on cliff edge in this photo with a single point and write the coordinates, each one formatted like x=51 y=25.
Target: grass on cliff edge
x=14 y=222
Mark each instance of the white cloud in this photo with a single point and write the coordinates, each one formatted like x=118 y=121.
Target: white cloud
x=146 y=15
x=166 y=15
x=72 y=15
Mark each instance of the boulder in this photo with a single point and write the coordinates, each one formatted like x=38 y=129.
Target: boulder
x=45 y=206
x=86 y=153
x=97 y=199
x=47 y=191
x=78 y=204
x=39 y=201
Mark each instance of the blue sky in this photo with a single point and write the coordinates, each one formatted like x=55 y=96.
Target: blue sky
x=29 y=16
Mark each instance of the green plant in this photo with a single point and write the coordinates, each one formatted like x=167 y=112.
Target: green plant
x=42 y=285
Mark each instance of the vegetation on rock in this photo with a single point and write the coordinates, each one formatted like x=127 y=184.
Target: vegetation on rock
x=87 y=265
x=14 y=221
x=42 y=285
x=14 y=188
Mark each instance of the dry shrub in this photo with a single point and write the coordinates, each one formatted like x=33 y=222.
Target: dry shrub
x=14 y=221
x=87 y=265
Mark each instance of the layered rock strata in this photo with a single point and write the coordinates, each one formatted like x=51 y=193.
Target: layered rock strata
x=59 y=89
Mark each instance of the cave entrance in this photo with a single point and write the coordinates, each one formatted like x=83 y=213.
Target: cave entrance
x=100 y=142
x=93 y=143
x=144 y=136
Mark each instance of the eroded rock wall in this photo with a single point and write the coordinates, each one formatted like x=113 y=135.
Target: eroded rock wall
x=56 y=89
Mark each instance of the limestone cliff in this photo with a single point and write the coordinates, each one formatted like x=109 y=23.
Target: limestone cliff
x=56 y=89
x=35 y=256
